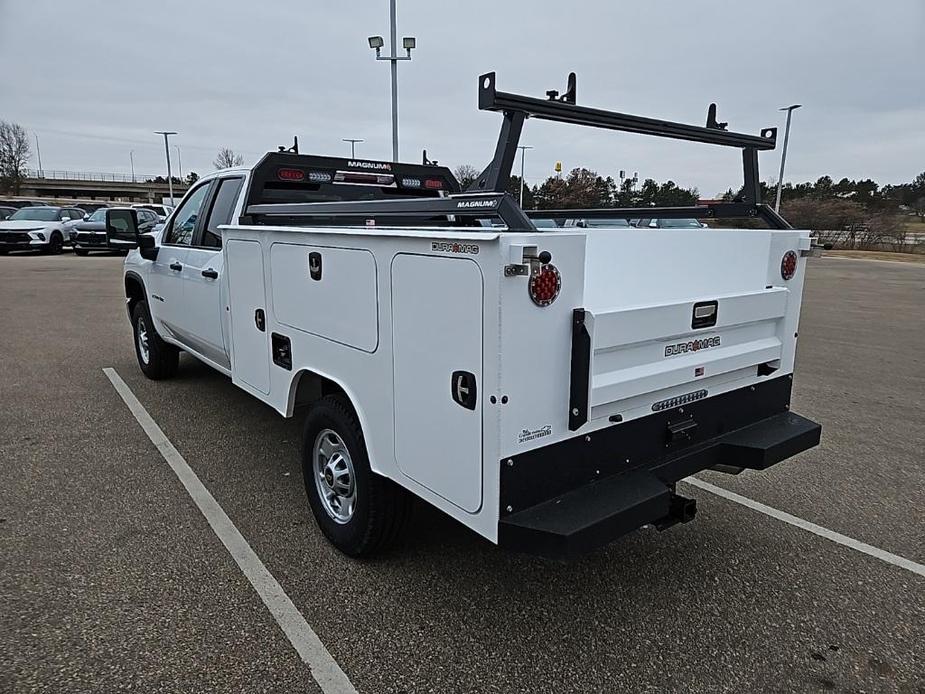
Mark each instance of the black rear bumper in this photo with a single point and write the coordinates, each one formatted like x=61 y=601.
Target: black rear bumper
x=584 y=492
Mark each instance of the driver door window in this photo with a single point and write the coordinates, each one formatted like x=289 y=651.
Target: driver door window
x=184 y=220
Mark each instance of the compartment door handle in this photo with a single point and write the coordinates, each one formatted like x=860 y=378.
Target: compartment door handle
x=463 y=389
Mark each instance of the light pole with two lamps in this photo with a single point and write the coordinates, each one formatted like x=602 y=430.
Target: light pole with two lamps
x=408 y=43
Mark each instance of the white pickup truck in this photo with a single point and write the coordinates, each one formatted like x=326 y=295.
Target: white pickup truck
x=547 y=387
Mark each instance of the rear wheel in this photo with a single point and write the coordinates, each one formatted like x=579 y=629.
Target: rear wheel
x=157 y=359
x=360 y=512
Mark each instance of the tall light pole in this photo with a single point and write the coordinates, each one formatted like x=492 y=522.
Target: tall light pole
x=38 y=153
x=166 y=134
x=353 y=142
x=523 y=153
x=408 y=43
x=783 y=153
x=179 y=161
x=131 y=156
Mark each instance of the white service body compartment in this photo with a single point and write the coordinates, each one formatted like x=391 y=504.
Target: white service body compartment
x=250 y=346
x=436 y=331
x=341 y=305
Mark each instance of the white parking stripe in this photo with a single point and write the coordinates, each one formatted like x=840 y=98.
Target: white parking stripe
x=324 y=668
x=857 y=545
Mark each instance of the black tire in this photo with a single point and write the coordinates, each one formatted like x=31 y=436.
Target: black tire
x=55 y=244
x=162 y=358
x=381 y=507
x=81 y=252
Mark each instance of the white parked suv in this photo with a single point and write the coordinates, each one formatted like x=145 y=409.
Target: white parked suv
x=44 y=228
x=547 y=387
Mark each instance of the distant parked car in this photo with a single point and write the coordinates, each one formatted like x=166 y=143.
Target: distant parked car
x=91 y=207
x=162 y=211
x=43 y=228
x=90 y=235
x=6 y=212
x=670 y=223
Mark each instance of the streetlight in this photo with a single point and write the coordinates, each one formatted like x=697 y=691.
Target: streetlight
x=166 y=134
x=131 y=156
x=179 y=161
x=408 y=43
x=523 y=153
x=353 y=141
x=38 y=153
x=783 y=154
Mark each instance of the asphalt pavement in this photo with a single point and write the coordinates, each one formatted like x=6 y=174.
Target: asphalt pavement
x=112 y=580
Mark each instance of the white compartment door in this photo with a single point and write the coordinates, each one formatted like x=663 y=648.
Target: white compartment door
x=250 y=348
x=436 y=333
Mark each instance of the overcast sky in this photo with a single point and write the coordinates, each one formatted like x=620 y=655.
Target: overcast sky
x=94 y=78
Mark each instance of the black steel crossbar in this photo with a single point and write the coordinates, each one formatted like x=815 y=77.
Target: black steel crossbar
x=490 y=99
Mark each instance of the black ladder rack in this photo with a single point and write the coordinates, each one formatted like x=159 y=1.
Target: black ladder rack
x=486 y=197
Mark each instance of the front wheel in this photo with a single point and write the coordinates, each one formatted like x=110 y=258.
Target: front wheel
x=359 y=512
x=55 y=244
x=157 y=359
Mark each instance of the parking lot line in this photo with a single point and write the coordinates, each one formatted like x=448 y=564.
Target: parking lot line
x=324 y=669
x=785 y=517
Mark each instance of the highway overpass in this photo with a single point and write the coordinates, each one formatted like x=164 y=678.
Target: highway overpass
x=100 y=187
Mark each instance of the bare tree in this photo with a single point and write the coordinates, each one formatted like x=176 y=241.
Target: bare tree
x=919 y=206
x=227 y=159
x=14 y=155
x=465 y=174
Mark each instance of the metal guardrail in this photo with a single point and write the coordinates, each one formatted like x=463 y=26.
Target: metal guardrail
x=55 y=175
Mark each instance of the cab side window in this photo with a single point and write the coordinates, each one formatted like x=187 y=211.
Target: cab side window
x=181 y=228
x=222 y=209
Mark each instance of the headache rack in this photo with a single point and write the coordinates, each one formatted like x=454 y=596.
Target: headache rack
x=486 y=198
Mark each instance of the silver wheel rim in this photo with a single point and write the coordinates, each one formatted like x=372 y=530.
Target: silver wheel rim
x=143 y=340
x=334 y=477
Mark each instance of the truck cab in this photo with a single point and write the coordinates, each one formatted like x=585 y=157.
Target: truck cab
x=183 y=282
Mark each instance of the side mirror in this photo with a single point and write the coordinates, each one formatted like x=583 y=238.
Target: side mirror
x=121 y=229
x=147 y=246
x=86 y=216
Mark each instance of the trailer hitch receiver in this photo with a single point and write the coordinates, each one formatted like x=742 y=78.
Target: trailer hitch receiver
x=680 y=510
